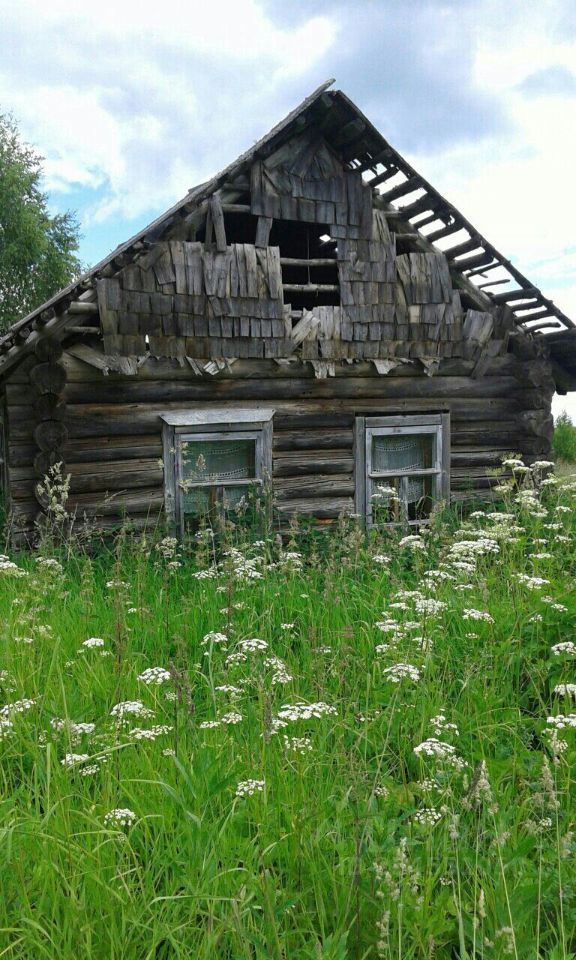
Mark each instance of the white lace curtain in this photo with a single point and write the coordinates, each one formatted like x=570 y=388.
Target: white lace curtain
x=406 y=452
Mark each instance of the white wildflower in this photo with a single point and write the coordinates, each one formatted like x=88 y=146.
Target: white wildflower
x=246 y=788
x=532 y=583
x=305 y=711
x=72 y=759
x=472 y=614
x=93 y=642
x=130 y=708
x=565 y=647
x=214 y=637
x=251 y=646
x=300 y=745
x=565 y=689
x=150 y=733
x=154 y=676
x=120 y=817
x=402 y=671
x=428 y=816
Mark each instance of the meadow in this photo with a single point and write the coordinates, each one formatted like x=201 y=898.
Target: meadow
x=333 y=747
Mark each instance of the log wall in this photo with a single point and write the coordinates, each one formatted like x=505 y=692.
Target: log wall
x=113 y=448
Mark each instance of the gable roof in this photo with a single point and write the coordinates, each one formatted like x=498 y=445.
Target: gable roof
x=405 y=193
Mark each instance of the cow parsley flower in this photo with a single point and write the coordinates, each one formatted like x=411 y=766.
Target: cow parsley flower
x=247 y=788
x=214 y=637
x=150 y=733
x=472 y=614
x=154 y=676
x=412 y=542
x=93 y=642
x=18 y=706
x=566 y=646
x=120 y=817
x=402 y=671
x=565 y=689
x=251 y=646
x=560 y=721
x=552 y=603
x=231 y=718
x=130 y=708
x=427 y=817
x=429 y=607
x=300 y=745
x=305 y=711
x=72 y=759
x=6 y=727
x=532 y=583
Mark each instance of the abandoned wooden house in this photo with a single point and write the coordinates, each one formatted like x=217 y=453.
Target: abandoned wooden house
x=317 y=314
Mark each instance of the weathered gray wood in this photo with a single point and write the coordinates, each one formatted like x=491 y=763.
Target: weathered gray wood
x=48 y=377
x=263 y=227
x=218 y=221
x=50 y=435
x=48 y=350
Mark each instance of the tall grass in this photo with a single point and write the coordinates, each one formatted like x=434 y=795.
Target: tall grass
x=410 y=796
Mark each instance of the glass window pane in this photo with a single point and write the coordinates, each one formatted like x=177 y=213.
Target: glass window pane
x=419 y=497
x=403 y=452
x=236 y=497
x=402 y=498
x=196 y=500
x=212 y=460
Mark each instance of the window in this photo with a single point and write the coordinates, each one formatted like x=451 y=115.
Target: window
x=402 y=467
x=213 y=460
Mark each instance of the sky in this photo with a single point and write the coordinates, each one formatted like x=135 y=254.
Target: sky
x=132 y=103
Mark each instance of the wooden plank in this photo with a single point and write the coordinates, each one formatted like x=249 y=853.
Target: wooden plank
x=263 y=228
x=218 y=221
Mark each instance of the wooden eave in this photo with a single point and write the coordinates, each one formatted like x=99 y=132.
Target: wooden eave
x=364 y=149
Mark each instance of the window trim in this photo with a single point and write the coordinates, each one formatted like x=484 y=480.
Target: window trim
x=205 y=424
x=366 y=428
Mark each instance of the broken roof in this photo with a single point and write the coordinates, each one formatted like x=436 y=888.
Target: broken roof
x=363 y=149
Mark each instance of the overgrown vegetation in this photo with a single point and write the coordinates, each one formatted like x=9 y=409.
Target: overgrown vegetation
x=240 y=751
x=564 y=439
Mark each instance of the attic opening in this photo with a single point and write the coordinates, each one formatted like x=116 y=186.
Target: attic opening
x=308 y=257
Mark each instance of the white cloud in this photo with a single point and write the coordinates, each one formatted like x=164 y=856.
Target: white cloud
x=140 y=100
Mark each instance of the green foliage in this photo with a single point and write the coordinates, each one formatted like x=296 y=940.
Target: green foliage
x=37 y=250
x=564 y=439
x=354 y=842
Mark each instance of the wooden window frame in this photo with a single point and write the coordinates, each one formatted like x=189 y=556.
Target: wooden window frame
x=437 y=425
x=226 y=424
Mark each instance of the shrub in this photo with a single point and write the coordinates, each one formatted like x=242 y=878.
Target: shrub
x=564 y=439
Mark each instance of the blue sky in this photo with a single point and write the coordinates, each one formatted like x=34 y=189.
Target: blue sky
x=133 y=103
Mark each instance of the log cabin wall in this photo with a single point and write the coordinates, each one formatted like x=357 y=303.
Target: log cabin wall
x=289 y=281
x=110 y=428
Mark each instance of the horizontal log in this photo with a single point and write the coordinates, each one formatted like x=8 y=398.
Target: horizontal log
x=310 y=287
x=81 y=307
x=301 y=464
x=165 y=369
x=290 y=488
x=323 y=508
x=310 y=439
x=121 y=420
x=106 y=449
x=148 y=502
x=315 y=262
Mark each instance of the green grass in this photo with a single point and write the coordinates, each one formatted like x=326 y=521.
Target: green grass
x=357 y=846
